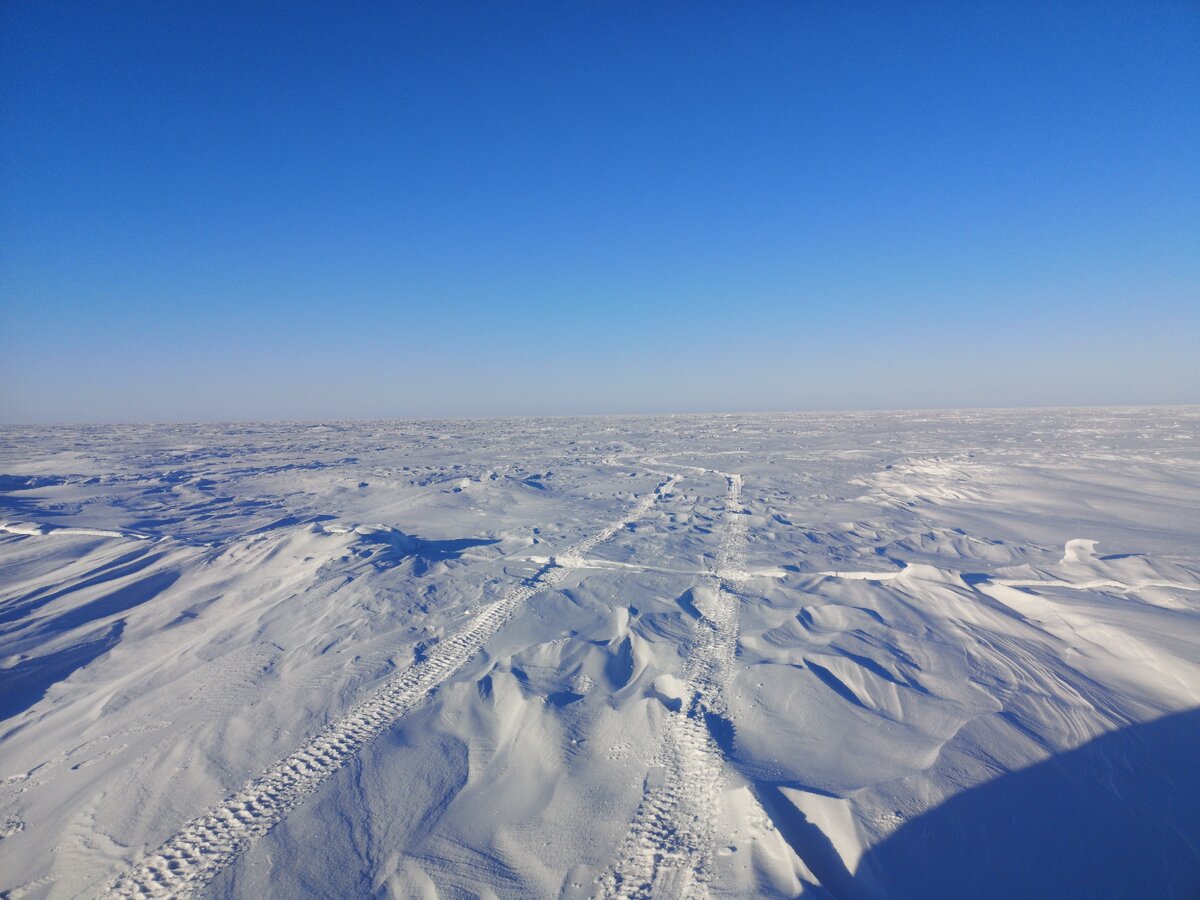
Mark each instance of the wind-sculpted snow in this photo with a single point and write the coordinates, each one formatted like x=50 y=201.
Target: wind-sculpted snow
x=679 y=656
x=189 y=859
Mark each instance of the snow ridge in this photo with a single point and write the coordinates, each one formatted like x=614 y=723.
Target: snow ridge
x=192 y=857
x=669 y=849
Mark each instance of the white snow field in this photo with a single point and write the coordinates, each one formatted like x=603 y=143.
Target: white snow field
x=884 y=655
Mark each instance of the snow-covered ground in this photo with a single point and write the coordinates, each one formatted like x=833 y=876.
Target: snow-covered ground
x=858 y=655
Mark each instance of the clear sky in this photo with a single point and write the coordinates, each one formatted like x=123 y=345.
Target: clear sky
x=233 y=210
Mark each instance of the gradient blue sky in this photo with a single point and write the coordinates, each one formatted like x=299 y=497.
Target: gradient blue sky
x=215 y=210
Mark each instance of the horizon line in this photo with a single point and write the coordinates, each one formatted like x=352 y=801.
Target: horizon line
x=148 y=423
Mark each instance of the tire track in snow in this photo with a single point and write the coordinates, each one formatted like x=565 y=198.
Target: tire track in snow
x=669 y=849
x=207 y=844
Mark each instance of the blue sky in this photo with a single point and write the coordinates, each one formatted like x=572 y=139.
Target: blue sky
x=315 y=210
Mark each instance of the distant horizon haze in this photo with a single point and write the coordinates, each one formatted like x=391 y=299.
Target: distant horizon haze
x=317 y=421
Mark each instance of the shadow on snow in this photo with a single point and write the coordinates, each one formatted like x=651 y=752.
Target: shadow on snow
x=1118 y=817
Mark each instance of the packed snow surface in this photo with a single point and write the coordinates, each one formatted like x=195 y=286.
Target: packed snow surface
x=853 y=656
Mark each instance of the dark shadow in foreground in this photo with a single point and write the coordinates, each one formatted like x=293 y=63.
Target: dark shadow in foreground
x=1118 y=817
